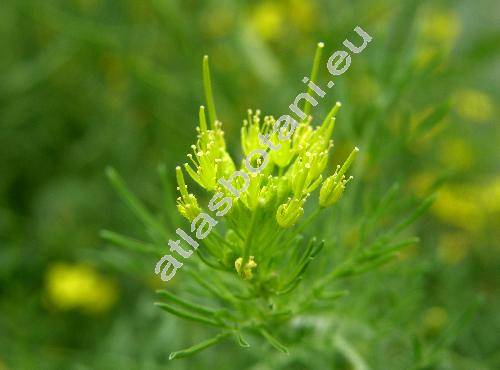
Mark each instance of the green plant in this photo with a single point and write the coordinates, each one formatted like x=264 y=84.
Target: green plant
x=255 y=274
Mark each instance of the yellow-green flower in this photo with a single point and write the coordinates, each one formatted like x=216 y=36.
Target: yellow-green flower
x=268 y=19
x=209 y=158
x=441 y=27
x=456 y=153
x=460 y=207
x=289 y=212
x=334 y=186
x=79 y=286
x=303 y=14
x=246 y=271
x=490 y=196
x=186 y=203
x=438 y=33
x=474 y=105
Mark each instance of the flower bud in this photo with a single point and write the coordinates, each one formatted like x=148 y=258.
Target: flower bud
x=250 y=132
x=289 y=212
x=332 y=190
x=333 y=187
x=187 y=205
x=246 y=271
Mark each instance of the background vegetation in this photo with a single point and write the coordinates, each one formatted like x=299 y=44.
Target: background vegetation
x=88 y=83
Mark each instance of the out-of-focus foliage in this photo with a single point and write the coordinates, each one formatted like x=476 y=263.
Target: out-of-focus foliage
x=88 y=83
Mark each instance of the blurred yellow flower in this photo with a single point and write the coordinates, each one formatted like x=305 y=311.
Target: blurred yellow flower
x=456 y=153
x=438 y=32
x=491 y=196
x=267 y=20
x=70 y=286
x=422 y=182
x=302 y=14
x=474 y=105
x=460 y=207
x=441 y=27
x=453 y=248
x=435 y=318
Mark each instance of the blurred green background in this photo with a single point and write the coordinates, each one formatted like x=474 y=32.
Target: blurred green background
x=89 y=83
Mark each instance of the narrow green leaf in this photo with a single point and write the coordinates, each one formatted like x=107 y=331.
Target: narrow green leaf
x=169 y=198
x=377 y=262
x=285 y=313
x=350 y=353
x=307 y=253
x=421 y=209
x=311 y=251
x=184 y=303
x=454 y=328
x=241 y=341
x=294 y=283
x=383 y=205
x=152 y=225
x=434 y=117
x=209 y=263
x=318 y=248
x=274 y=342
x=379 y=249
x=334 y=295
x=187 y=315
x=199 y=347
x=213 y=288
x=129 y=243
x=345 y=269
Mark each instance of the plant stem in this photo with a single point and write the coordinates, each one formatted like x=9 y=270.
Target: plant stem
x=248 y=239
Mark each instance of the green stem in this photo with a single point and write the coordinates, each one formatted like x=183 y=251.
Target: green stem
x=221 y=239
x=280 y=171
x=248 y=239
x=314 y=74
x=207 y=84
x=350 y=353
x=306 y=223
